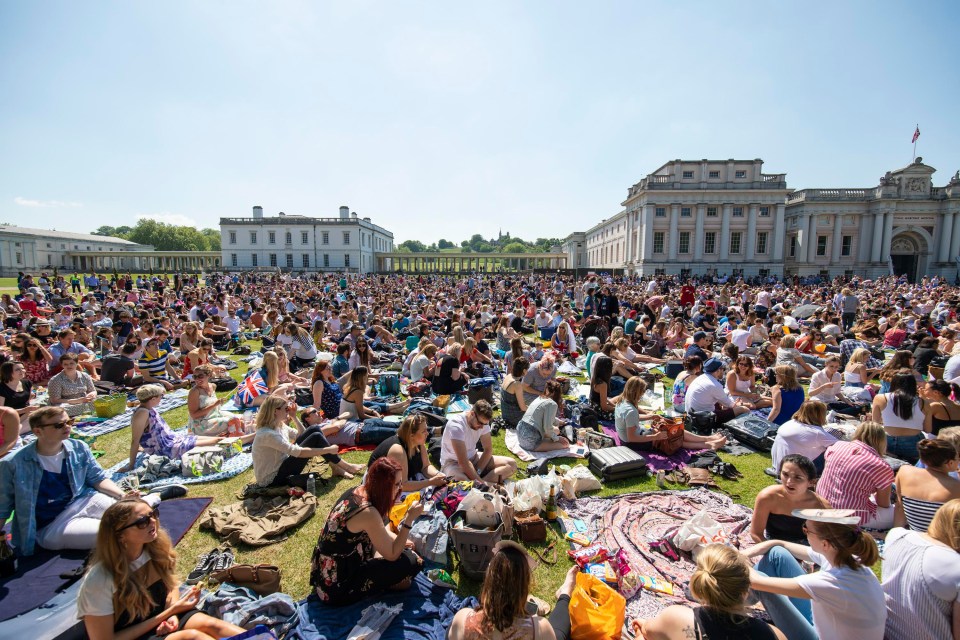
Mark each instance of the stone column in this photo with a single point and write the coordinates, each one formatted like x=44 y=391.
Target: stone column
x=812 y=235
x=724 y=239
x=955 y=238
x=837 y=238
x=674 y=232
x=946 y=234
x=779 y=233
x=698 y=234
x=877 y=237
x=752 y=231
x=648 y=234
x=887 y=234
x=803 y=231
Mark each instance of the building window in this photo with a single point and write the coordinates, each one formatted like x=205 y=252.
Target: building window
x=714 y=174
x=684 y=242
x=273 y=259
x=687 y=174
x=846 y=245
x=346 y=261
x=660 y=272
x=288 y=238
x=346 y=238
x=233 y=259
x=272 y=239
x=741 y=174
x=255 y=259
x=711 y=212
x=19 y=257
x=763 y=273
x=306 y=261
x=326 y=259
x=735 y=242
x=304 y=237
x=661 y=212
x=684 y=212
x=658 y=241
x=710 y=242
x=761 y=242
x=821 y=245
x=325 y=237
x=289 y=261
x=793 y=246
x=738 y=212
x=253 y=237
x=764 y=212
x=49 y=246
x=233 y=237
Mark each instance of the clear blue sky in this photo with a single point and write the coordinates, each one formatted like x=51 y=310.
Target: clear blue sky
x=439 y=121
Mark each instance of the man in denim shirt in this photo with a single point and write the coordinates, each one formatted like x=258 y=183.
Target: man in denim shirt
x=55 y=487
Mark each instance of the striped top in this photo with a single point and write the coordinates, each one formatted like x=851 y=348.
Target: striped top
x=921 y=581
x=919 y=512
x=154 y=366
x=853 y=471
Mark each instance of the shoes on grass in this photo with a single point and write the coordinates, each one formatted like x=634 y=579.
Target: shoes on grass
x=223 y=561
x=172 y=491
x=205 y=564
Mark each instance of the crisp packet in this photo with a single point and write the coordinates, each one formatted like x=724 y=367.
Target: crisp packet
x=441 y=578
x=627 y=580
x=583 y=557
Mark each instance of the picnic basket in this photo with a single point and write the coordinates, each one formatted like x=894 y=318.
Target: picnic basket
x=110 y=406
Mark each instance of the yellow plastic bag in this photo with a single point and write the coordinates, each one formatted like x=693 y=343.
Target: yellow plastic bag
x=596 y=610
x=400 y=510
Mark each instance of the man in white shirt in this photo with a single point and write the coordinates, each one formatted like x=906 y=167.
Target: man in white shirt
x=740 y=337
x=459 y=457
x=707 y=393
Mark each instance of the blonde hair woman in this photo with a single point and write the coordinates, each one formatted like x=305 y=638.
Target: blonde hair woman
x=804 y=434
x=131 y=590
x=855 y=476
x=720 y=584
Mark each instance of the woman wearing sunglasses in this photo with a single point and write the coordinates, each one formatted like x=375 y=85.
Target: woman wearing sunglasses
x=131 y=590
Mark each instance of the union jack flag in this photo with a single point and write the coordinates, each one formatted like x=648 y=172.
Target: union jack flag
x=252 y=386
x=916 y=134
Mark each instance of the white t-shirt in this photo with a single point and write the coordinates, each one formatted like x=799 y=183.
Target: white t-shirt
x=829 y=394
x=96 y=591
x=458 y=429
x=796 y=437
x=846 y=603
x=53 y=463
x=740 y=337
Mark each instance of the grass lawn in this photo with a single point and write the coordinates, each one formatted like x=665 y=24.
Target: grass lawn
x=293 y=555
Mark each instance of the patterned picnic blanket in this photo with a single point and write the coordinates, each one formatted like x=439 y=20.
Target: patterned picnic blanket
x=631 y=521
x=231 y=467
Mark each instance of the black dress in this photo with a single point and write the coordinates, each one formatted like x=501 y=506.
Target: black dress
x=16 y=399
x=443 y=382
x=711 y=625
x=414 y=461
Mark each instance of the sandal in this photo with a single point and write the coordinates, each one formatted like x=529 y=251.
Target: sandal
x=536 y=607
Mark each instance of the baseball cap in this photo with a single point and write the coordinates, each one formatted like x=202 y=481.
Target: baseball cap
x=712 y=365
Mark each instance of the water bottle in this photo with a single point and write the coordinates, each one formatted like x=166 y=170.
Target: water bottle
x=575 y=415
x=312 y=484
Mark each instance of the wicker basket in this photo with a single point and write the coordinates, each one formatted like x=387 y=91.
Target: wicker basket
x=110 y=406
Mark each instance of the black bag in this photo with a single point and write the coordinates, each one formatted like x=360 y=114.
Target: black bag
x=224 y=384
x=476 y=393
x=589 y=418
x=303 y=396
x=617 y=463
x=700 y=422
x=652 y=348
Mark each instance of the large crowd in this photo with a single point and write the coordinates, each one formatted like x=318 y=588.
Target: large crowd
x=881 y=355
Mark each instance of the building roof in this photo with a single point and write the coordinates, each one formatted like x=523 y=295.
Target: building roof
x=64 y=235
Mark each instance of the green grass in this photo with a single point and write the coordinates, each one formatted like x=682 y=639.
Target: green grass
x=293 y=555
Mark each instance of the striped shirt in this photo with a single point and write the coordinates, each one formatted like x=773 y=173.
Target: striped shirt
x=921 y=581
x=853 y=471
x=154 y=366
x=919 y=513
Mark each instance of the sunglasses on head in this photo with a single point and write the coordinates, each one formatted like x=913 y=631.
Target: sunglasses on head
x=143 y=521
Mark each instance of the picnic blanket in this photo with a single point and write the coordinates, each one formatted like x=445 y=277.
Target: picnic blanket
x=657 y=461
x=427 y=612
x=94 y=427
x=513 y=443
x=231 y=467
x=38 y=580
x=631 y=521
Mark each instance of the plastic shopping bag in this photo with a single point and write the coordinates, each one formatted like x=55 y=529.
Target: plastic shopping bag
x=400 y=510
x=578 y=480
x=698 y=532
x=479 y=508
x=526 y=496
x=596 y=610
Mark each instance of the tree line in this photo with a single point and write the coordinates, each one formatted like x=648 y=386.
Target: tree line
x=478 y=244
x=165 y=237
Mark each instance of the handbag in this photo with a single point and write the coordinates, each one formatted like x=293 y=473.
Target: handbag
x=224 y=384
x=263 y=579
x=596 y=611
x=303 y=396
x=701 y=422
x=597 y=440
x=674 y=440
x=530 y=526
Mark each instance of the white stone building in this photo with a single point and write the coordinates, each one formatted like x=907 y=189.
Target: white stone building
x=904 y=224
x=575 y=246
x=35 y=250
x=302 y=243
x=696 y=217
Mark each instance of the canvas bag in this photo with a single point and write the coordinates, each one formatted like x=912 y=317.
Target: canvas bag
x=698 y=532
x=201 y=461
x=596 y=611
x=577 y=480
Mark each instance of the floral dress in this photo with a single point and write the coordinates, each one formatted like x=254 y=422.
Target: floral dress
x=159 y=439
x=36 y=371
x=340 y=553
x=214 y=423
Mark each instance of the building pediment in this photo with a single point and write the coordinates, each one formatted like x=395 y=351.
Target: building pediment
x=913 y=181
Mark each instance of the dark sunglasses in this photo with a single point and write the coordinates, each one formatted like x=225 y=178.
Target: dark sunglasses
x=63 y=424
x=143 y=521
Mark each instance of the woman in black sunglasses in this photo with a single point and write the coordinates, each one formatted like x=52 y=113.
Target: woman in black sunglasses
x=131 y=591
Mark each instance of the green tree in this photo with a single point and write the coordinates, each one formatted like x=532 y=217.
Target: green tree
x=515 y=247
x=213 y=239
x=116 y=232
x=445 y=244
x=415 y=246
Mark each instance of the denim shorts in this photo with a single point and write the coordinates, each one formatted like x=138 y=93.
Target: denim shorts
x=904 y=447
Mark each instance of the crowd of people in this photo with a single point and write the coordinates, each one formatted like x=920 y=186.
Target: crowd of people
x=882 y=353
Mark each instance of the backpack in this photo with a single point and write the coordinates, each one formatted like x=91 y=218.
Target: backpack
x=589 y=418
x=389 y=384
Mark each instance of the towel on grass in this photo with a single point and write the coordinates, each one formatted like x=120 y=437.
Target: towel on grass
x=657 y=461
x=231 y=467
x=510 y=439
x=427 y=613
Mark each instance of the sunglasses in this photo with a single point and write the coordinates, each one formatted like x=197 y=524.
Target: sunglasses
x=143 y=521
x=59 y=425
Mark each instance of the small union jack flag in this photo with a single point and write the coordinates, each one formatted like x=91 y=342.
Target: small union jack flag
x=252 y=386
x=916 y=134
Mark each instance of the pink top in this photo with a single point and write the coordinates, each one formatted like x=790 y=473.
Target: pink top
x=853 y=471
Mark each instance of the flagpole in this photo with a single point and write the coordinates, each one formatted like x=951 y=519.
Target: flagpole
x=915 y=137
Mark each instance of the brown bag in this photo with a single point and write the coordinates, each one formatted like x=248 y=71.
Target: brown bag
x=700 y=478
x=264 y=579
x=530 y=526
x=674 y=440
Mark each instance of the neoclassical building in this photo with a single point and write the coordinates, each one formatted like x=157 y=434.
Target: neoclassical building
x=904 y=223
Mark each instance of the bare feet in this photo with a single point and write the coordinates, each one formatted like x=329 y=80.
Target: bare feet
x=569 y=582
x=402 y=585
x=341 y=473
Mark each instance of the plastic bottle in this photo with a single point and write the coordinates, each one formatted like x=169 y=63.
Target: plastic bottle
x=312 y=484
x=575 y=415
x=551 y=507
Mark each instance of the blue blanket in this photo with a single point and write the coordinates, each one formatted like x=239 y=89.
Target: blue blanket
x=427 y=612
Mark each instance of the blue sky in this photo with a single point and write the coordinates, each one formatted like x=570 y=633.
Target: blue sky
x=440 y=120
